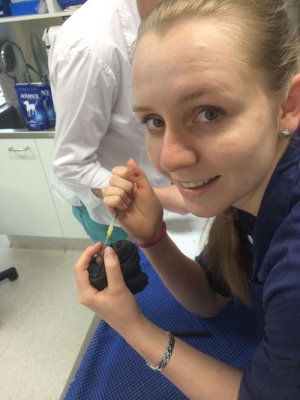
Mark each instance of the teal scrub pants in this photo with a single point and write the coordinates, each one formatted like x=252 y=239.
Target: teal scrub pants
x=96 y=231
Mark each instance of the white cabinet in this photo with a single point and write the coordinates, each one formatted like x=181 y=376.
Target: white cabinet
x=28 y=206
x=26 y=203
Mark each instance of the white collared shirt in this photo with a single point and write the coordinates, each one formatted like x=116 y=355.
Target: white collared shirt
x=90 y=74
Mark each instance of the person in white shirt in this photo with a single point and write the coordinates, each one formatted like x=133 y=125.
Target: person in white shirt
x=90 y=75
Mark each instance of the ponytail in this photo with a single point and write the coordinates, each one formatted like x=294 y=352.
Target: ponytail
x=225 y=257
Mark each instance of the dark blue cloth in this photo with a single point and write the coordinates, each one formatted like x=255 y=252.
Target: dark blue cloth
x=274 y=371
x=111 y=370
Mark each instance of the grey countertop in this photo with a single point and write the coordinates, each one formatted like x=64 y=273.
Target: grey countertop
x=25 y=134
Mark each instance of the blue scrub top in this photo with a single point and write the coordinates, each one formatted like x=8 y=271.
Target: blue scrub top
x=274 y=371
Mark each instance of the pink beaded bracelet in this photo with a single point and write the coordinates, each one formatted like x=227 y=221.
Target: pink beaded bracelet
x=155 y=239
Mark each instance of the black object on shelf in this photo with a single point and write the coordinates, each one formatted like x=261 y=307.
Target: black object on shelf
x=10 y=273
x=10 y=118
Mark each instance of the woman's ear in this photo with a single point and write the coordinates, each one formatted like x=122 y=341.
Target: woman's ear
x=290 y=108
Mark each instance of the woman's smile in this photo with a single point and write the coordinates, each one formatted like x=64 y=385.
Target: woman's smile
x=194 y=185
x=197 y=188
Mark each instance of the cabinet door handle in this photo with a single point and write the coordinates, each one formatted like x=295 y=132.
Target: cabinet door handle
x=22 y=149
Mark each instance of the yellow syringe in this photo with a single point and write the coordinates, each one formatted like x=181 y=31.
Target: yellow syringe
x=111 y=227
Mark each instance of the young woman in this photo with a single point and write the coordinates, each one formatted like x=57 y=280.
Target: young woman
x=216 y=83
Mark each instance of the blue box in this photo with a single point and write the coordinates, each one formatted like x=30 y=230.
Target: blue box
x=24 y=7
x=32 y=106
x=46 y=95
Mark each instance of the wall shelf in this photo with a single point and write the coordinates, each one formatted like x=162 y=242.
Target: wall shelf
x=20 y=18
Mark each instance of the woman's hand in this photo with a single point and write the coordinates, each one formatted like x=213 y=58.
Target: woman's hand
x=129 y=191
x=115 y=304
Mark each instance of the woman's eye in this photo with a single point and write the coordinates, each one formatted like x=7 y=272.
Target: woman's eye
x=208 y=115
x=154 y=123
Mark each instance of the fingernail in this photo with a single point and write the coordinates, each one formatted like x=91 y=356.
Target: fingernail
x=108 y=251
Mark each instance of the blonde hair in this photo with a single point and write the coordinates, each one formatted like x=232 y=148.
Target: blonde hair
x=268 y=43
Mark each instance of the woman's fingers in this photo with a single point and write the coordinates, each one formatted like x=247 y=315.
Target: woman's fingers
x=122 y=171
x=121 y=183
x=113 y=270
x=128 y=179
x=85 y=258
x=119 y=192
x=138 y=175
x=115 y=197
x=85 y=290
x=131 y=174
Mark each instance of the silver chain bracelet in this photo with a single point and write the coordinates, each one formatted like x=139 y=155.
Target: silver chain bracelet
x=166 y=358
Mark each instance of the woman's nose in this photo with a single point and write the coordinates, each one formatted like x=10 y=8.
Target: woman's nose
x=177 y=151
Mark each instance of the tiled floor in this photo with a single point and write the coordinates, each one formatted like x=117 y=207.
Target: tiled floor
x=42 y=325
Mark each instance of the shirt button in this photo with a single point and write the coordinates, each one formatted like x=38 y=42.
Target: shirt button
x=250 y=239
